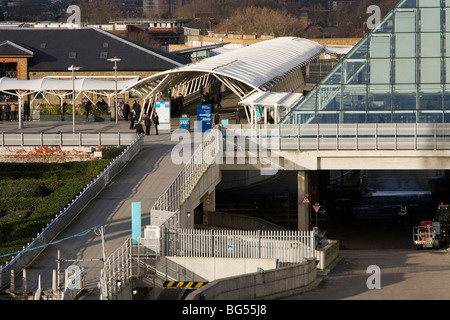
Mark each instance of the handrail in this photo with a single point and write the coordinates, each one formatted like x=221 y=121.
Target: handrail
x=65 y=139
x=358 y=136
x=180 y=189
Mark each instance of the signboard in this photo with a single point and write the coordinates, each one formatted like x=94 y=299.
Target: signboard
x=135 y=221
x=204 y=117
x=185 y=123
x=317 y=207
x=305 y=200
x=163 y=110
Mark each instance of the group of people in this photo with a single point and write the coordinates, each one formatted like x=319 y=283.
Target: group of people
x=133 y=115
x=176 y=105
x=10 y=112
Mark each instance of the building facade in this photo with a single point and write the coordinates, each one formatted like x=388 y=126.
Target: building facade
x=398 y=73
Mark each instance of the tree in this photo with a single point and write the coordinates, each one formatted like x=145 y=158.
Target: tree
x=253 y=20
x=99 y=11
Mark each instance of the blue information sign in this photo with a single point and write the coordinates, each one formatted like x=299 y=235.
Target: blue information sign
x=135 y=221
x=204 y=117
x=184 y=123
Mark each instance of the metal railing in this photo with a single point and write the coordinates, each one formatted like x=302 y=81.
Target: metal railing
x=284 y=245
x=180 y=189
x=366 y=136
x=32 y=139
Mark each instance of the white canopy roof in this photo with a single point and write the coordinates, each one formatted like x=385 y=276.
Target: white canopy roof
x=253 y=67
x=272 y=99
x=50 y=84
x=337 y=49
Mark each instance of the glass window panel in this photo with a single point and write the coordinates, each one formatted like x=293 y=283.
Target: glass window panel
x=430 y=70
x=404 y=117
x=380 y=46
x=309 y=102
x=447 y=100
x=386 y=24
x=430 y=117
x=379 y=117
x=408 y=3
x=405 y=70
x=358 y=51
x=429 y=3
x=327 y=117
x=334 y=76
x=447 y=70
x=447 y=43
x=329 y=98
x=447 y=3
x=430 y=45
x=404 y=97
x=379 y=98
x=380 y=71
x=354 y=117
x=354 y=97
x=302 y=117
x=405 y=45
x=447 y=19
x=405 y=21
x=430 y=97
x=355 y=71
x=430 y=19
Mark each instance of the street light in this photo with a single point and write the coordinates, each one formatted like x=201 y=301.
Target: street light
x=72 y=68
x=115 y=60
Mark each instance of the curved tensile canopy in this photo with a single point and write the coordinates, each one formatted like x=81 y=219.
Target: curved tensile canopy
x=271 y=65
x=51 y=84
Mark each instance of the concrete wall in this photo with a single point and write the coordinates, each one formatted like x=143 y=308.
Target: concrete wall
x=327 y=254
x=271 y=284
x=217 y=268
x=55 y=154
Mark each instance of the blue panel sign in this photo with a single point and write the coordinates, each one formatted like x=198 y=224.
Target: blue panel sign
x=185 y=123
x=204 y=117
x=135 y=221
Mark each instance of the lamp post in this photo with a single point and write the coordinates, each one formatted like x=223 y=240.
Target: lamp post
x=73 y=68
x=115 y=60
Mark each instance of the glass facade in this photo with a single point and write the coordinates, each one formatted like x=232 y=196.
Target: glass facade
x=399 y=72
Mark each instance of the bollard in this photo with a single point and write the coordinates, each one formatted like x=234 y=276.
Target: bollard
x=24 y=279
x=54 y=286
x=13 y=286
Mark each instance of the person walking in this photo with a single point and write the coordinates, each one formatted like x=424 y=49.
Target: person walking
x=7 y=112
x=87 y=107
x=237 y=116
x=216 y=119
x=14 y=111
x=155 y=121
x=126 y=111
x=132 y=118
x=26 y=111
x=148 y=124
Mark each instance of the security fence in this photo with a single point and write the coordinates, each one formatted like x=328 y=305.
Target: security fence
x=286 y=246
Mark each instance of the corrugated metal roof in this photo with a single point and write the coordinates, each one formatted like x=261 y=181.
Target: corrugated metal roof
x=255 y=65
